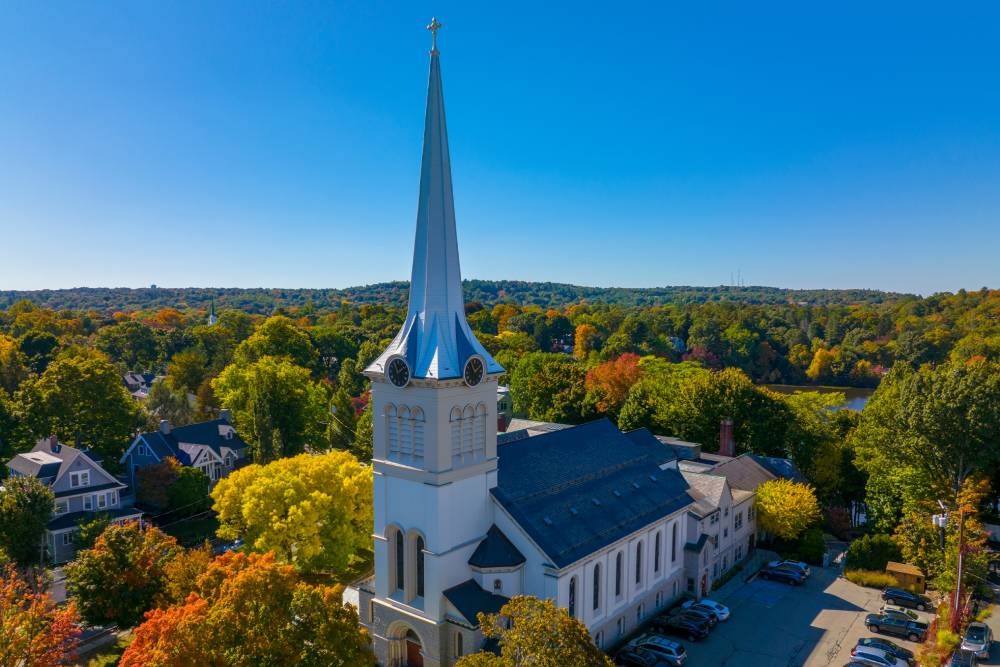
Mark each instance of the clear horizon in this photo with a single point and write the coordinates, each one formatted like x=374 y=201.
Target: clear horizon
x=254 y=144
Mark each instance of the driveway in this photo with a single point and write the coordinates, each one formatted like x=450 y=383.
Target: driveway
x=777 y=625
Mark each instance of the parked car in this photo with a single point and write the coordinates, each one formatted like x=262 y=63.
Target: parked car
x=784 y=574
x=698 y=613
x=681 y=626
x=876 y=657
x=977 y=640
x=641 y=657
x=667 y=649
x=892 y=624
x=889 y=647
x=906 y=599
x=902 y=612
x=721 y=611
x=792 y=564
x=962 y=658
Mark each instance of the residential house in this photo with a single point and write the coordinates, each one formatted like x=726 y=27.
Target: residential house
x=213 y=446
x=82 y=488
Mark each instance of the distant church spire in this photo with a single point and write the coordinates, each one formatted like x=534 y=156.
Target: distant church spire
x=435 y=339
x=212 y=319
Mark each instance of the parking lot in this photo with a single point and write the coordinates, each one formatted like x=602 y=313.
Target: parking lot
x=777 y=625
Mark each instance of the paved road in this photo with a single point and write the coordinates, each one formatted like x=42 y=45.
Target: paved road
x=776 y=625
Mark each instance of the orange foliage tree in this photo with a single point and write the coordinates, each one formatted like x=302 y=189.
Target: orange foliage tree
x=34 y=631
x=609 y=382
x=248 y=609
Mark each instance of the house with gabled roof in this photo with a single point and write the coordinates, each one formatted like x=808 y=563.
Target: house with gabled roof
x=212 y=446
x=82 y=488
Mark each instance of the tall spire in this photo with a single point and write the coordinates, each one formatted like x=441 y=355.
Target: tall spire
x=435 y=339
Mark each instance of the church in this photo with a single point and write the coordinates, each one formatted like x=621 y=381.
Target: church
x=612 y=526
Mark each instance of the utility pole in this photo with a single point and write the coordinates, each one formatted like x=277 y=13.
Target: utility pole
x=955 y=620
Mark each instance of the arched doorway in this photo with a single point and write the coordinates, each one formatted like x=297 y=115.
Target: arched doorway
x=413 y=655
x=405 y=646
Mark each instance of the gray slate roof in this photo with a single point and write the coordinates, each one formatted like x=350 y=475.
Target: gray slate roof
x=470 y=599
x=576 y=490
x=496 y=551
x=780 y=467
x=203 y=433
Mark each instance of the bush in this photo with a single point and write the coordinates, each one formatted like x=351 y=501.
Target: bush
x=872 y=552
x=812 y=546
x=870 y=578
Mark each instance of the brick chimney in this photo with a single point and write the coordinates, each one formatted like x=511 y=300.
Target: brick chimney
x=727 y=443
x=54 y=444
x=165 y=426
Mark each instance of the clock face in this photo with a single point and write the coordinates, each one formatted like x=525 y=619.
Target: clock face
x=474 y=371
x=398 y=372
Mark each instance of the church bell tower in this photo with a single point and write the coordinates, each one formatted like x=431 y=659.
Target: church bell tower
x=434 y=407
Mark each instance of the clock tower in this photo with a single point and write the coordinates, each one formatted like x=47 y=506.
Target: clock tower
x=434 y=406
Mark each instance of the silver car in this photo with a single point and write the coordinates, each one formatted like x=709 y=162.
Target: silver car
x=977 y=639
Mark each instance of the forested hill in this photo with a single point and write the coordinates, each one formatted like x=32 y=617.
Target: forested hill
x=487 y=292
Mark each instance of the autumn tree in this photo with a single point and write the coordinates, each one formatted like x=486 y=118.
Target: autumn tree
x=13 y=365
x=314 y=511
x=122 y=575
x=34 y=630
x=587 y=339
x=610 y=382
x=187 y=370
x=25 y=509
x=535 y=632
x=786 y=508
x=182 y=572
x=81 y=395
x=276 y=405
x=248 y=609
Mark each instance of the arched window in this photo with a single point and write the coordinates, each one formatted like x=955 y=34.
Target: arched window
x=656 y=553
x=468 y=420
x=420 y=566
x=400 y=560
x=618 y=574
x=599 y=640
x=404 y=427
x=673 y=543
x=418 y=434
x=458 y=645
x=597 y=587
x=391 y=430
x=479 y=432
x=456 y=434
x=638 y=563
x=572 y=597
x=621 y=626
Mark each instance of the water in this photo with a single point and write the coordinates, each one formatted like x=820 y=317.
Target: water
x=857 y=397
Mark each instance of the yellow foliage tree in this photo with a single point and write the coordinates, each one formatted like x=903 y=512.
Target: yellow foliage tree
x=586 y=340
x=313 y=511
x=786 y=508
x=536 y=632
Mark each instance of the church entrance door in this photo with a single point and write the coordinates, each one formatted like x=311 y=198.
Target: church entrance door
x=414 y=658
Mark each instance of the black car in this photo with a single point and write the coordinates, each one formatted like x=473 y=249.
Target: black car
x=640 y=657
x=681 y=626
x=889 y=647
x=906 y=599
x=962 y=658
x=783 y=574
x=705 y=615
x=890 y=624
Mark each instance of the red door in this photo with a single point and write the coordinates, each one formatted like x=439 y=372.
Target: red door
x=413 y=657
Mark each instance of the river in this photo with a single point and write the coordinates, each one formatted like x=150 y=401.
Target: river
x=857 y=397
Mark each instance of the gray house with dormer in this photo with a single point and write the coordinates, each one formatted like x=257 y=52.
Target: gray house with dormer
x=212 y=446
x=82 y=488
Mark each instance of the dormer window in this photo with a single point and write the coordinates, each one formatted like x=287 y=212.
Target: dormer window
x=80 y=478
x=497 y=586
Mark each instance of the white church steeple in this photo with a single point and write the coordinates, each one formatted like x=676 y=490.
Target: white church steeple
x=435 y=340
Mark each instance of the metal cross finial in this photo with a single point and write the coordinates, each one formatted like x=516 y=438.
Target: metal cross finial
x=434 y=27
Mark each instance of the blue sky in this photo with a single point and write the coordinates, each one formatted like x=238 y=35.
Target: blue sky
x=278 y=144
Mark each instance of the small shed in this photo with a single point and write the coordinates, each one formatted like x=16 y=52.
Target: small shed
x=909 y=576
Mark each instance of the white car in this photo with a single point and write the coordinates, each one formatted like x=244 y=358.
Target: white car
x=720 y=610
x=868 y=655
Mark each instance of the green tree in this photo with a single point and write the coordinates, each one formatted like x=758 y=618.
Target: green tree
x=26 y=507
x=90 y=530
x=342 y=420
x=130 y=343
x=276 y=406
x=122 y=575
x=364 y=437
x=188 y=494
x=278 y=337
x=166 y=403
x=536 y=632
x=872 y=552
x=187 y=370
x=81 y=395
